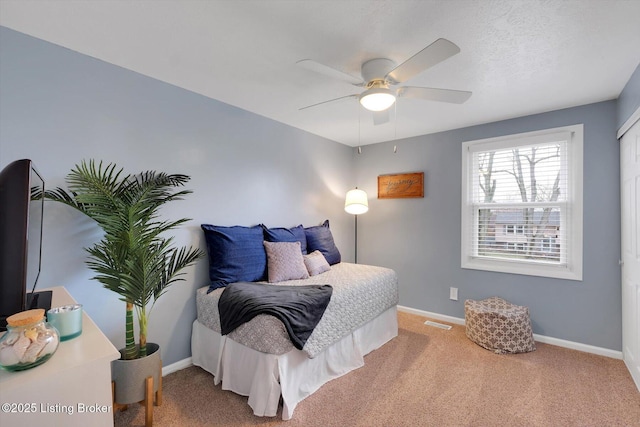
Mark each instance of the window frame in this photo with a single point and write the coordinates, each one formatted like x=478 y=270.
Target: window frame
x=572 y=222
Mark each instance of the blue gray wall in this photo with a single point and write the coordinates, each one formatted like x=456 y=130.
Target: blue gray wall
x=629 y=100
x=420 y=238
x=58 y=107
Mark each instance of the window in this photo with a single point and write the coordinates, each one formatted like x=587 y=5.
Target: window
x=522 y=203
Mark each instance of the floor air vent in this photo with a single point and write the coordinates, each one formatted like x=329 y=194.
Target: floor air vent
x=437 y=325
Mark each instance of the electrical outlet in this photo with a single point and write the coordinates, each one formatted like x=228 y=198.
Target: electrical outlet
x=453 y=293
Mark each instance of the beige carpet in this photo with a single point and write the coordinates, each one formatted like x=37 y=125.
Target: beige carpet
x=428 y=377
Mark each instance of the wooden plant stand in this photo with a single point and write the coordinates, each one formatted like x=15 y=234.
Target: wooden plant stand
x=148 y=401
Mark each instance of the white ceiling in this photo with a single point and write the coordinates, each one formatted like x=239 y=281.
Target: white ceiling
x=518 y=57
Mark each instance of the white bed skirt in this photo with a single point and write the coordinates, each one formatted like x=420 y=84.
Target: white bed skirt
x=264 y=377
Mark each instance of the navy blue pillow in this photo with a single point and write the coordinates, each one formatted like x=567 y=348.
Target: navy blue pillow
x=294 y=234
x=319 y=238
x=236 y=254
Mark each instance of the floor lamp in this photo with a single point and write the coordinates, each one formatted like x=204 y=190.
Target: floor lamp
x=356 y=203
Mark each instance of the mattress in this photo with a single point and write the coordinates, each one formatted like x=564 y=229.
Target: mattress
x=360 y=294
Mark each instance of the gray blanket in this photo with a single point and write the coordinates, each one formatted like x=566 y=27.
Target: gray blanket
x=299 y=308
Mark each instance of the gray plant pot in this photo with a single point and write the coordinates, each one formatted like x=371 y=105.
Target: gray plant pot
x=130 y=375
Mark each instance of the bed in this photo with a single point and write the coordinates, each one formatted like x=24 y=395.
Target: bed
x=259 y=361
x=258 y=358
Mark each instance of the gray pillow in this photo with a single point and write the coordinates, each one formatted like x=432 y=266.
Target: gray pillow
x=284 y=261
x=316 y=263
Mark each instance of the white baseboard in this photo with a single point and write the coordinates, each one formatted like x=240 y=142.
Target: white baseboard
x=177 y=366
x=540 y=338
x=442 y=317
x=601 y=351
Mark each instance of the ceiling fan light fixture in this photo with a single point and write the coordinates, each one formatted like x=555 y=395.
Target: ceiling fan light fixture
x=377 y=99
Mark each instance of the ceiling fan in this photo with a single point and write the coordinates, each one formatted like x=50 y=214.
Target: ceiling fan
x=381 y=74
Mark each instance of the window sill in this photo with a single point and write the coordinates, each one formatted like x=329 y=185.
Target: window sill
x=527 y=269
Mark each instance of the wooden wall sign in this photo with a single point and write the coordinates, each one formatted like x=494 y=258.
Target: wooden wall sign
x=398 y=186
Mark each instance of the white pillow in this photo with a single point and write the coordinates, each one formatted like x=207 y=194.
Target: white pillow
x=316 y=263
x=284 y=261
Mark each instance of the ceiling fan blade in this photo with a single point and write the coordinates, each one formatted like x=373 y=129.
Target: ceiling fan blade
x=317 y=67
x=381 y=117
x=433 y=94
x=431 y=55
x=330 y=100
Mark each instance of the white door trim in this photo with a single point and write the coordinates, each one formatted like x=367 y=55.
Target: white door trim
x=630 y=122
x=630 y=248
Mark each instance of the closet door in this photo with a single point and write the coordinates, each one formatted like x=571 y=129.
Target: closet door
x=630 y=199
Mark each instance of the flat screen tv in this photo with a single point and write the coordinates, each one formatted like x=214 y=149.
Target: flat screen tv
x=21 y=217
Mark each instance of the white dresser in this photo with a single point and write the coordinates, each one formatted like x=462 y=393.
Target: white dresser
x=73 y=388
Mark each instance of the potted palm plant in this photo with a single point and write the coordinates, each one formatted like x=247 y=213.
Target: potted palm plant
x=135 y=258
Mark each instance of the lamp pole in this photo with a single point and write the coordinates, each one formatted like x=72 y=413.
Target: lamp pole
x=356 y=248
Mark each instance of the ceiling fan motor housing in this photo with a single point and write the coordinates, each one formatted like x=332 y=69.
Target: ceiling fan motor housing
x=376 y=70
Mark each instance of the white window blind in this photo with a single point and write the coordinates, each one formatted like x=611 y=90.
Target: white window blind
x=520 y=201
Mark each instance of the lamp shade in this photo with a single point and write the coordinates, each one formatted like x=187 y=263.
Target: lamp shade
x=356 y=202
x=377 y=99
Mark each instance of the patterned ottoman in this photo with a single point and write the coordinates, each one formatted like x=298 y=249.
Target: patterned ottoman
x=499 y=326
